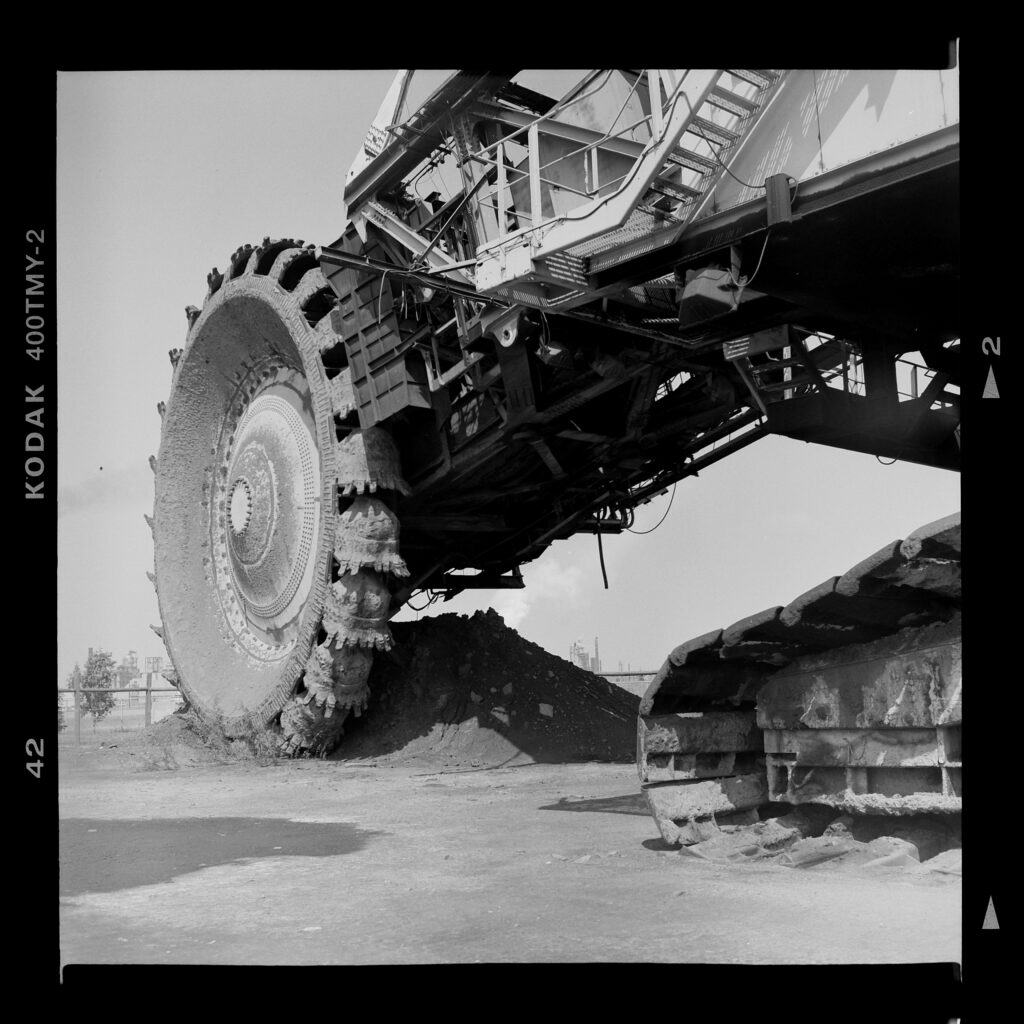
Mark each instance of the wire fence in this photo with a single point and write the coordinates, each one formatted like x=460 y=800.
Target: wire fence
x=134 y=708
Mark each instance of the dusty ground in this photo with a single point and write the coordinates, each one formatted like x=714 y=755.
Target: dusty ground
x=486 y=808
x=360 y=863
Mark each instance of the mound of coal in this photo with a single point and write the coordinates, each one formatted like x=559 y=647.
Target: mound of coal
x=468 y=691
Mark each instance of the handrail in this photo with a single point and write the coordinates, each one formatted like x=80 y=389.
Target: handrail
x=571 y=228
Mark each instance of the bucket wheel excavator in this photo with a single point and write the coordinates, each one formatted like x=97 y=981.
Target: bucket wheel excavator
x=272 y=597
x=541 y=312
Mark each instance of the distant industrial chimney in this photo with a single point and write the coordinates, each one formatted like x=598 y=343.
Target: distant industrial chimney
x=578 y=656
x=595 y=665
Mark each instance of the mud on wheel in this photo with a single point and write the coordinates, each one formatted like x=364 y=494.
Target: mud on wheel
x=272 y=594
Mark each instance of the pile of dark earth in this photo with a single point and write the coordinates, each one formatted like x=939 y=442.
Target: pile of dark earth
x=468 y=691
x=457 y=692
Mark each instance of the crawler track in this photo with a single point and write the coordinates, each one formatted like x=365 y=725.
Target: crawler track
x=847 y=697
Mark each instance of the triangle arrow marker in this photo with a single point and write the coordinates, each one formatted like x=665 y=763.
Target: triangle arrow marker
x=991 y=391
x=991 y=921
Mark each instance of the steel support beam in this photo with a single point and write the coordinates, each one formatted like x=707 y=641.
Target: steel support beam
x=658 y=254
x=410 y=240
x=428 y=127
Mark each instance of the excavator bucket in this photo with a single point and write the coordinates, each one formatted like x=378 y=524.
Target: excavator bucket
x=368 y=538
x=367 y=461
x=356 y=611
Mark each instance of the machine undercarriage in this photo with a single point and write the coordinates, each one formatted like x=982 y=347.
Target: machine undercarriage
x=606 y=294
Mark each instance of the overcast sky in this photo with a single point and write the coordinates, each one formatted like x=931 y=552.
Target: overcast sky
x=161 y=176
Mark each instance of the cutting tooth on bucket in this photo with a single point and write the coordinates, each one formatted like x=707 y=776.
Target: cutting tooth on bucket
x=367 y=461
x=336 y=683
x=367 y=537
x=307 y=729
x=355 y=619
x=214 y=279
x=350 y=668
x=356 y=611
x=337 y=678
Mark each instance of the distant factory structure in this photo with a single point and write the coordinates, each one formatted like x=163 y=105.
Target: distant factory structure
x=579 y=655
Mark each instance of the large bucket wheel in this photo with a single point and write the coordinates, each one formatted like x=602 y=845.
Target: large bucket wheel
x=269 y=631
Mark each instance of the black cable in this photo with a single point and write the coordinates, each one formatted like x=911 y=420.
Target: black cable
x=600 y=552
x=409 y=604
x=745 y=184
x=767 y=235
x=380 y=294
x=640 y=533
x=718 y=160
x=817 y=118
x=432 y=597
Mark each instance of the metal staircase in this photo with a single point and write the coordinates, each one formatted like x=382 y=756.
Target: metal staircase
x=689 y=175
x=698 y=122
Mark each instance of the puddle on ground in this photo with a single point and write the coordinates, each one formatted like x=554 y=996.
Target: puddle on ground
x=103 y=855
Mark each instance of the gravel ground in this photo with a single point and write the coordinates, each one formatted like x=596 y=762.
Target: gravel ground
x=178 y=860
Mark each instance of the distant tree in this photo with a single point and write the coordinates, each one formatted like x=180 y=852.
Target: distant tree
x=100 y=673
x=75 y=679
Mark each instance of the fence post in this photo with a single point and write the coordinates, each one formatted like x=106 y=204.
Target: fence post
x=78 y=710
x=149 y=699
